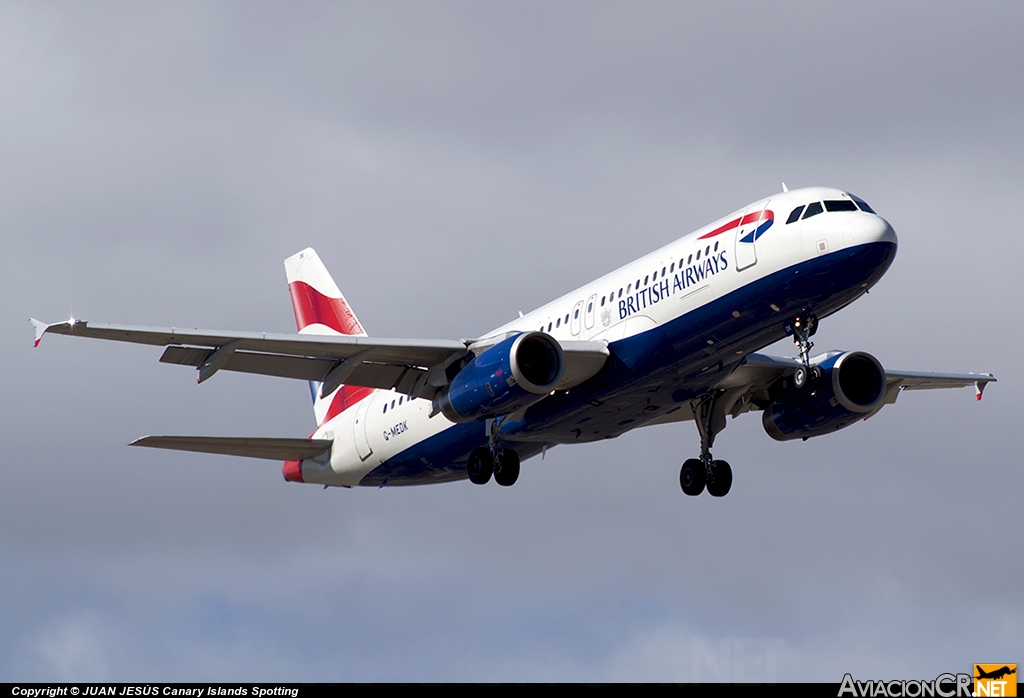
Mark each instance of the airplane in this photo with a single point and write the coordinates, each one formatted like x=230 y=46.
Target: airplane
x=670 y=337
x=996 y=674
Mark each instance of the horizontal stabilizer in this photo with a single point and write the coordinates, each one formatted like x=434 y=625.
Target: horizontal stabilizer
x=271 y=449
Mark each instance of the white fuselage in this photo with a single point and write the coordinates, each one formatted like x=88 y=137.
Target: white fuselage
x=649 y=293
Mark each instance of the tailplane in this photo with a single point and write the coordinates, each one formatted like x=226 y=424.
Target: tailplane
x=320 y=308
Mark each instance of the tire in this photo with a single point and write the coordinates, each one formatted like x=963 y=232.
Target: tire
x=800 y=378
x=506 y=467
x=817 y=377
x=480 y=465
x=721 y=479
x=692 y=477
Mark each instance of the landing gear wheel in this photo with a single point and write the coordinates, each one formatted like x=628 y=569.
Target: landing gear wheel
x=692 y=477
x=800 y=377
x=506 y=467
x=817 y=376
x=480 y=465
x=720 y=480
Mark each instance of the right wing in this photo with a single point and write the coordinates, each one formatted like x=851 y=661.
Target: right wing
x=414 y=367
x=410 y=366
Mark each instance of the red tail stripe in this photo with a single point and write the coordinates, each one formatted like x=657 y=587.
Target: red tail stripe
x=347 y=396
x=312 y=307
x=292 y=471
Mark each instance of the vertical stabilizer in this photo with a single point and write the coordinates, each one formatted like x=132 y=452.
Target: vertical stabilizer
x=317 y=301
x=320 y=308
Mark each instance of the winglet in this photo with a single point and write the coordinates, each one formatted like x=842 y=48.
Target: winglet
x=40 y=329
x=979 y=386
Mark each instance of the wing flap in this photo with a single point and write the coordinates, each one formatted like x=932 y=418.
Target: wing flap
x=299 y=367
x=271 y=449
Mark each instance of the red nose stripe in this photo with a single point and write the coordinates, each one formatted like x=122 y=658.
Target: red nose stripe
x=737 y=222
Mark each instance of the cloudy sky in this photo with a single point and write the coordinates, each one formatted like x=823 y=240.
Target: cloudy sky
x=454 y=163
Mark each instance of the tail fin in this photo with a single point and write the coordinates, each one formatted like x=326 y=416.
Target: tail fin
x=318 y=304
x=320 y=308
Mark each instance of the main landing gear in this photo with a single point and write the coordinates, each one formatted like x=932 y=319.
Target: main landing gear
x=504 y=464
x=706 y=472
x=803 y=329
x=485 y=460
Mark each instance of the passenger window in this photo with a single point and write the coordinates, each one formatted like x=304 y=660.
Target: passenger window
x=840 y=205
x=673 y=268
x=549 y=327
x=707 y=250
x=590 y=306
x=558 y=322
x=646 y=279
x=813 y=210
x=690 y=260
x=698 y=255
x=795 y=215
x=602 y=301
x=663 y=271
x=716 y=247
x=576 y=314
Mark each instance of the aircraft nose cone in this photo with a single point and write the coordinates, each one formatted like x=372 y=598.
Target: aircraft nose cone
x=868 y=228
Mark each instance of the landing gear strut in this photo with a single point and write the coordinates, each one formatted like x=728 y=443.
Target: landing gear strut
x=698 y=473
x=803 y=329
x=485 y=460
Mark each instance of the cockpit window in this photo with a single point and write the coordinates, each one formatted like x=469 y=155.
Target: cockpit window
x=839 y=205
x=813 y=209
x=862 y=204
x=795 y=215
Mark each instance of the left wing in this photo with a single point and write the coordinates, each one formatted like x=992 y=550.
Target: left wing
x=749 y=386
x=758 y=371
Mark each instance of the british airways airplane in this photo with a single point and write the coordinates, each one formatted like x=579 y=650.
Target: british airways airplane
x=671 y=337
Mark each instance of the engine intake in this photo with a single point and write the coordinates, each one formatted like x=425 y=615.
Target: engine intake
x=852 y=389
x=508 y=377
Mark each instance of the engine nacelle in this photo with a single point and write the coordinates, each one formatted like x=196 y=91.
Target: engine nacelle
x=508 y=377
x=852 y=389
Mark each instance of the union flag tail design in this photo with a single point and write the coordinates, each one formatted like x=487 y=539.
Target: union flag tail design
x=320 y=308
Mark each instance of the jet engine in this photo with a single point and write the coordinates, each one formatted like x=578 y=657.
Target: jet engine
x=851 y=388
x=506 y=378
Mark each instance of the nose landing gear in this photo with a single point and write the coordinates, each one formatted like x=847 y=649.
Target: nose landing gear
x=803 y=328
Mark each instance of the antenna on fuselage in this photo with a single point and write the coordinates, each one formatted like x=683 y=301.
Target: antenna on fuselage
x=784 y=188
